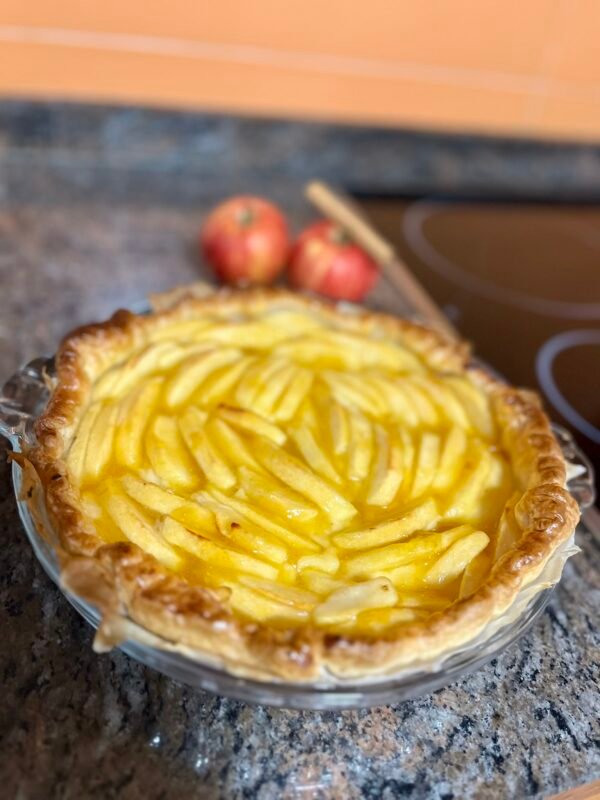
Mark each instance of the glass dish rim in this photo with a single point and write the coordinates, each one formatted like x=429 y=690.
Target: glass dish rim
x=16 y=420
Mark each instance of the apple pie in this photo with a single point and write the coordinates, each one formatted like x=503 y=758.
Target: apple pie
x=293 y=488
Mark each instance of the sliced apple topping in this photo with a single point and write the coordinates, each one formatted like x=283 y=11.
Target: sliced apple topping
x=319 y=475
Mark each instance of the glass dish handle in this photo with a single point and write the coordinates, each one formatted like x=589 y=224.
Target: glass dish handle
x=580 y=476
x=22 y=399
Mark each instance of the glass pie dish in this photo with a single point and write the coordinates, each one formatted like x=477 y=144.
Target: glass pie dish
x=23 y=398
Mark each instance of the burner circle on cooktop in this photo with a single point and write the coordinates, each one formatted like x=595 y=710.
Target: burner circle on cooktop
x=564 y=364
x=520 y=256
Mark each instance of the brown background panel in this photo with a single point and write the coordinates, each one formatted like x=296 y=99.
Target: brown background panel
x=447 y=33
x=526 y=69
x=174 y=80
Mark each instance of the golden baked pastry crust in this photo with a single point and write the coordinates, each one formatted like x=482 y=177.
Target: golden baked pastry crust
x=124 y=581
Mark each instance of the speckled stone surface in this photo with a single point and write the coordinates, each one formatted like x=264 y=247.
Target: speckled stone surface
x=85 y=226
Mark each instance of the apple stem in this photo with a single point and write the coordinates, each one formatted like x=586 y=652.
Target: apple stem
x=339 y=236
x=246 y=216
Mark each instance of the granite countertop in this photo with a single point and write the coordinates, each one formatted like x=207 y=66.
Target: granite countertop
x=96 y=209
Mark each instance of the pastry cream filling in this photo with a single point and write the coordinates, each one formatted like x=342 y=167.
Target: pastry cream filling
x=314 y=474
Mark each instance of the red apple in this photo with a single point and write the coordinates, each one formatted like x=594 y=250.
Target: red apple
x=246 y=241
x=326 y=260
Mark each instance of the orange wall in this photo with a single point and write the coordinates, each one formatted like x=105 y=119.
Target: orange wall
x=530 y=67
